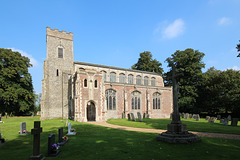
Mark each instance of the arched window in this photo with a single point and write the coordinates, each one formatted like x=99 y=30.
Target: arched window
x=136 y=100
x=110 y=99
x=122 y=78
x=139 y=80
x=130 y=79
x=95 y=83
x=112 y=77
x=104 y=74
x=60 y=52
x=85 y=82
x=145 y=81
x=156 y=101
x=153 y=81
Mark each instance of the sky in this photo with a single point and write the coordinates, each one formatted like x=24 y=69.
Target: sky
x=115 y=32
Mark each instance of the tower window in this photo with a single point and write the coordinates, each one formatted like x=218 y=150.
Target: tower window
x=95 y=83
x=57 y=72
x=85 y=82
x=60 y=52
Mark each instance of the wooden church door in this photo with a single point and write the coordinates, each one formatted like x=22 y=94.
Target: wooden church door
x=91 y=112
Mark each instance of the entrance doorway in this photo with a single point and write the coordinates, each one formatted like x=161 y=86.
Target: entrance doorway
x=91 y=112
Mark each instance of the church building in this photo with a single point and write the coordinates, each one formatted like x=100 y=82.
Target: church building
x=92 y=92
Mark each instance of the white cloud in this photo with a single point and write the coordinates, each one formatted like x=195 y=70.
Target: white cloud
x=171 y=30
x=236 y=68
x=33 y=61
x=224 y=21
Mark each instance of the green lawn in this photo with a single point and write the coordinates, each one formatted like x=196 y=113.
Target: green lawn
x=96 y=142
x=192 y=125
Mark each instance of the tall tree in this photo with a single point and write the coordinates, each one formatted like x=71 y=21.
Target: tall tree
x=220 y=91
x=189 y=65
x=238 y=49
x=16 y=89
x=146 y=63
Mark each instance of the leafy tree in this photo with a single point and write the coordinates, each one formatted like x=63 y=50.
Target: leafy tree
x=188 y=64
x=238 y=49
x=146 y=63
x=16 y=89
x=220 y=91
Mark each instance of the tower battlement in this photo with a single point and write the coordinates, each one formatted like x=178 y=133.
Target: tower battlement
x=60 y=34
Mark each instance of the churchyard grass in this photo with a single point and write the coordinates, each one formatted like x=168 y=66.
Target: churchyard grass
x=96 y=142
x=192 y=125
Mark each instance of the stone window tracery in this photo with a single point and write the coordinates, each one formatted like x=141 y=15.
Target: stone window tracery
x=156 y=101
x=110 y=99
x=136 y=100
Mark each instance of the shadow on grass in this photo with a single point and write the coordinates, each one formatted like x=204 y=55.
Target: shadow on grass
x=96 y=142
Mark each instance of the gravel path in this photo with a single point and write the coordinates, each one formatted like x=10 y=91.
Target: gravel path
x=202 y=134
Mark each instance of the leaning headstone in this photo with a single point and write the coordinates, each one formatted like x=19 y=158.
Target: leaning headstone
x=36 y=141
x=23 y=128
x=52 y=146
x=144 y=115
x=225 y=122
x=132 y=117
x=148 y=116
x=69 y=129
x=66 y=122
x=218 y=117
x=2 y=140
x=197 y=117
x=129 y=117
x=139 y=116
x=229 y=117
x=212 y=119
x=207 y=118
x=234 y=122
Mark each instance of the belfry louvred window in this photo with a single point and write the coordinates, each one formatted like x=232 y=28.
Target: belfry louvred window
x=60 y=52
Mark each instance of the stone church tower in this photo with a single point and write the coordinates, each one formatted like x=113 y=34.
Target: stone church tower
x=58 y=68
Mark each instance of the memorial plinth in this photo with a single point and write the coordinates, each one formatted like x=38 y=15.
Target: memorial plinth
x=177 y=132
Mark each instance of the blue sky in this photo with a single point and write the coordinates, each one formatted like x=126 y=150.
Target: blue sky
x=114 y=32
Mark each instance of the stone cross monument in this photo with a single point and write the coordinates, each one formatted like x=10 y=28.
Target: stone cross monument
x=177 y=132
x=36 y=141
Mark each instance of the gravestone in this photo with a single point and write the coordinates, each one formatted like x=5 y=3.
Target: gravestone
x=207 y=118
x=190 y=115
x=132 y=117
x=61 y=141
x=2 y=140
x=218 y=117
x=123 y=115
x=69 y=129
x=36 y=141
x=234 y=122
x=148 y=116
x=197 y=117
x=229 y=117
x=129 y=117
x=225 y=122
x=194 y=116
x=66 y=122
x=144 y=115
x=186 y=116
x=139 y=116
x=212 y=119
x=23 y=128
x=52 y=146
x=221 y=120
x=183 y=114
